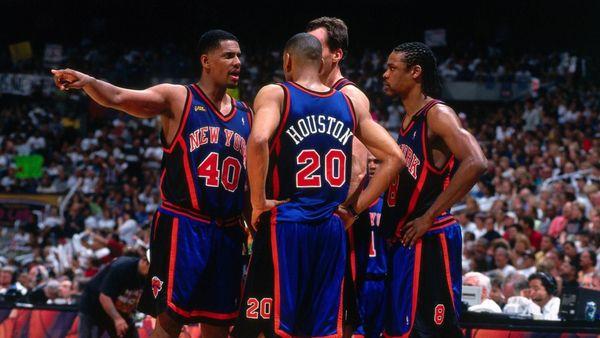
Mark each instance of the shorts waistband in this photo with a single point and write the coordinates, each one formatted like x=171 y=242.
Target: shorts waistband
x=175 y=210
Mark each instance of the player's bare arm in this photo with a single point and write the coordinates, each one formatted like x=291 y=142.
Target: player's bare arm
x=443 y=122
x=379 y=142
x=166 y=100
x=267 y=107
x=359 y=151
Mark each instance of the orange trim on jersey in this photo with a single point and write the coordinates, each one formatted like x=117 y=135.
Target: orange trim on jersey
x=277 y=289
x=352 y=112
x=155 y=225
x=182 y=122
x=423 y=109
x=447 y=266
x=172 y=258
x=413 y=200
x=162 y=179
x=328 y=93
x=188 y=175
x=213 y=107
x=340 y=318
x=284 y=115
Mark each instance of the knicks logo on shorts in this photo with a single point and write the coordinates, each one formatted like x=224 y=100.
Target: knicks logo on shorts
x=439 y=313
x=156 y=284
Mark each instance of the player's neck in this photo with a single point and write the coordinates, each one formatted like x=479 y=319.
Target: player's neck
x=332 y=77
x=215 y=93
x=414 y=101
x=311 y=81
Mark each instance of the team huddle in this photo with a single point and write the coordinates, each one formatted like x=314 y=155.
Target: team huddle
x=351 y=230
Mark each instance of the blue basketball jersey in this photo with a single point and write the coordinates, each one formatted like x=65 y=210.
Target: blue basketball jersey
x=420 y=183
x=311 y=153
x=369 y=243
x=204 y=168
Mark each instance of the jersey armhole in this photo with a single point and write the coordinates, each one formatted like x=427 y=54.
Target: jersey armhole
x=285 y=111
x=168 y=148
x=427 y=153
x=352 y=112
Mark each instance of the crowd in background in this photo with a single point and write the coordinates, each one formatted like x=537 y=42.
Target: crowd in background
x=537 y=209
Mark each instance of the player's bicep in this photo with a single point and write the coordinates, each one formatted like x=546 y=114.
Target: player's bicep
x=148 y=102
x=267 y=112
x=444 y=123
x=377 y=140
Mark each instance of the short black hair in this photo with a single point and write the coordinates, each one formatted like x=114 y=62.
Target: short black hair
x=529 y=221
x=304 y=46
x=417 y=53
x=212 y=39
x=337 y=31
x=547 y=281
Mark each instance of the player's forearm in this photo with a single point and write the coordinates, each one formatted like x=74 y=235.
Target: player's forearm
x=359 y=170
x=464 y=179
x=258 y=163
x=109 y=307
x=388 y=169
x=104 y=93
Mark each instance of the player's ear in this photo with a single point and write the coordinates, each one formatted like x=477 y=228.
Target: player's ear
x=321 y=65
x=337 y=55
x=287 y=62
x=204 y=62
x=416 y=71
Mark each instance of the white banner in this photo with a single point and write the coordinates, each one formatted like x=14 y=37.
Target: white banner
x=25 y=84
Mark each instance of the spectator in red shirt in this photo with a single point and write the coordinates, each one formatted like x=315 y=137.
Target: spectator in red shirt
x=535 y=237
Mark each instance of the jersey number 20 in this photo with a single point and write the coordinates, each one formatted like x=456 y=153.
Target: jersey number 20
x=334 y=164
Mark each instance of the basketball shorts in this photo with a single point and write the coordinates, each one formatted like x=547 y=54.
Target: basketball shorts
x=424 y=284
x=195 y=268
x=295 y=280
x=371 y=296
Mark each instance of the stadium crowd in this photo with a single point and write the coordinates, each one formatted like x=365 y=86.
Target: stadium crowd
x=537 y=209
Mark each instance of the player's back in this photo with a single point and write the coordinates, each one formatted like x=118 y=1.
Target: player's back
x=311 y=154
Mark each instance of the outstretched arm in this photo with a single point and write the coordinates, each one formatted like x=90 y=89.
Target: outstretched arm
x=379 y=142
x=267 y=112
x=157 y=100
x=442 y=121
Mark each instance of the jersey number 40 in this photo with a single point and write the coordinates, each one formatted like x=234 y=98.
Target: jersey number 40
x=228 y=175
x=334 y=165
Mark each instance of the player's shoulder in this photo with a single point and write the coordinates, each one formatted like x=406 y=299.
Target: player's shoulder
x=271 y=91
x=352 y=91
x=441 y=116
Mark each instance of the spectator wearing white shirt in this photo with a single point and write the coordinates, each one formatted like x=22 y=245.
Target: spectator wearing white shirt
x=483 y=281
x=502 y=259
x=542 y=290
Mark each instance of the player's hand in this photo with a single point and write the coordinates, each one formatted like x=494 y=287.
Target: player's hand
x=66 y=79
x=260 y=208
x=414 y=229
x=346 y=216
x=121 y=327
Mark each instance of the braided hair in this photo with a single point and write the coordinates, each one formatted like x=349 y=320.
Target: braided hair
x=417 y=53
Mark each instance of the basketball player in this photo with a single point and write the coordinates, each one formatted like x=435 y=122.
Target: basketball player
x=196 y=238
x=371 y=265
x=333 y=35
x=299 y=152
x=425 y=261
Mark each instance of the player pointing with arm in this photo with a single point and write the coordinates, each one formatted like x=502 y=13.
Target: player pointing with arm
x=196 y=238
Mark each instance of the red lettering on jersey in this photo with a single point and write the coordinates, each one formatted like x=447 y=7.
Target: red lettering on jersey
x=194 y=140
x=203 y=139
x=412 y=161
x=214 y=134
x=228 y=136
x=237 y=139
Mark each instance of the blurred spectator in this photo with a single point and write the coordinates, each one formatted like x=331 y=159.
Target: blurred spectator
x=542 y=289
x=481 y=280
